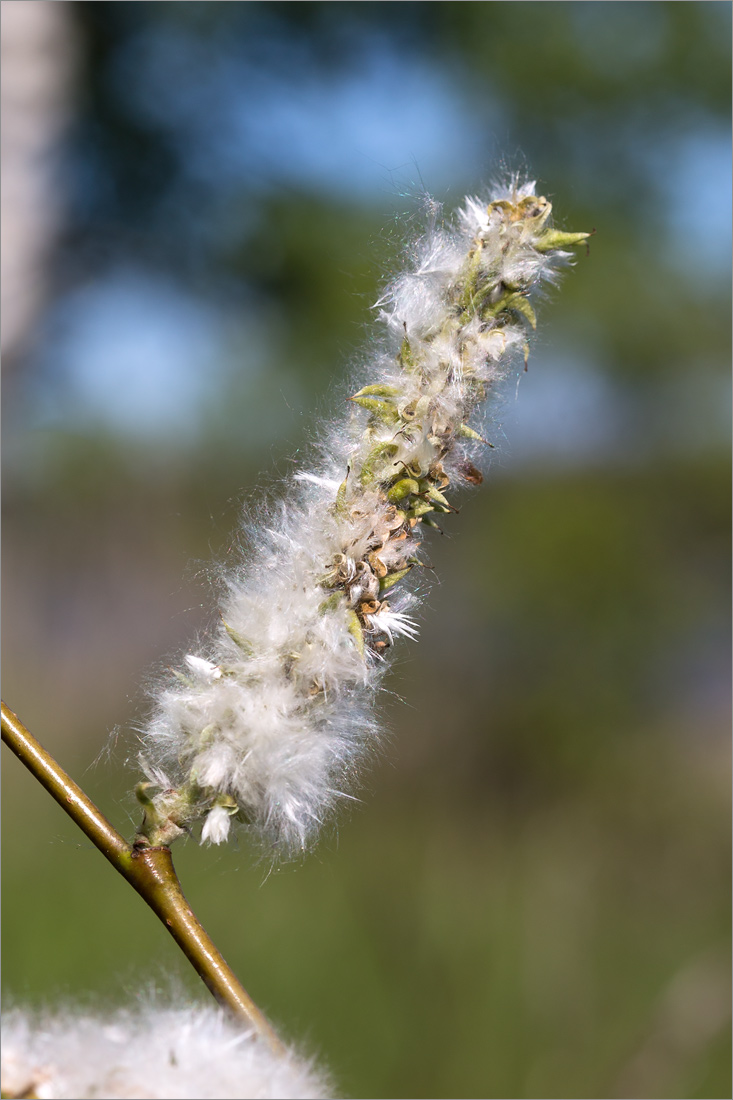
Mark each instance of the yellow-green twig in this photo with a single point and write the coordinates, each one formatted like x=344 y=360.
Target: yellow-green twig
x=149 y=870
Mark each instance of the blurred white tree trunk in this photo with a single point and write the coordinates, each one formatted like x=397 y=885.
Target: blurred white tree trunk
x=38 y=60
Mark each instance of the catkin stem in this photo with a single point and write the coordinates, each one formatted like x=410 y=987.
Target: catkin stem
x=149 y=870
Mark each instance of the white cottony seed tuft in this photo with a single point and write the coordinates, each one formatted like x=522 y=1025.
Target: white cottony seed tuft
x=154 y=1053
x=216 y=825
x=268 y=726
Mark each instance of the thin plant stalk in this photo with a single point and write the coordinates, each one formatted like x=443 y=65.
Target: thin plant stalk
x=148 y=869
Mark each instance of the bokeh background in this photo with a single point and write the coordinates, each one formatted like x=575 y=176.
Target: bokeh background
x=200 y=203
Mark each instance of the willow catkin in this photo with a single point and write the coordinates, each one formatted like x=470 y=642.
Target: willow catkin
x=269 y=722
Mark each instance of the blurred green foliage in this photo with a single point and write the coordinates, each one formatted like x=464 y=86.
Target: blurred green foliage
x=534 y=898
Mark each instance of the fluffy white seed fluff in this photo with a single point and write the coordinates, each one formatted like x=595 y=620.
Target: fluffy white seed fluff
x=154 y=1054
x=268 y=723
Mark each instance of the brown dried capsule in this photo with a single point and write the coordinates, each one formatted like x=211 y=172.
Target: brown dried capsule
x=380 y=569
x=393 y=518
x=470 y=473
x=438 y=476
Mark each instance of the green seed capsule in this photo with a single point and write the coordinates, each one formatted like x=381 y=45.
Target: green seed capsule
x=379 y=390
x=406 y=358
x=553 y=239
x=403 y=488
x=514 y=302
x=331 y=602
x=378 y=455
x=356 y=631
x=383 y=410
x=420 y=508
x=238 y=640
x=393 y=578
x=468 y=433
